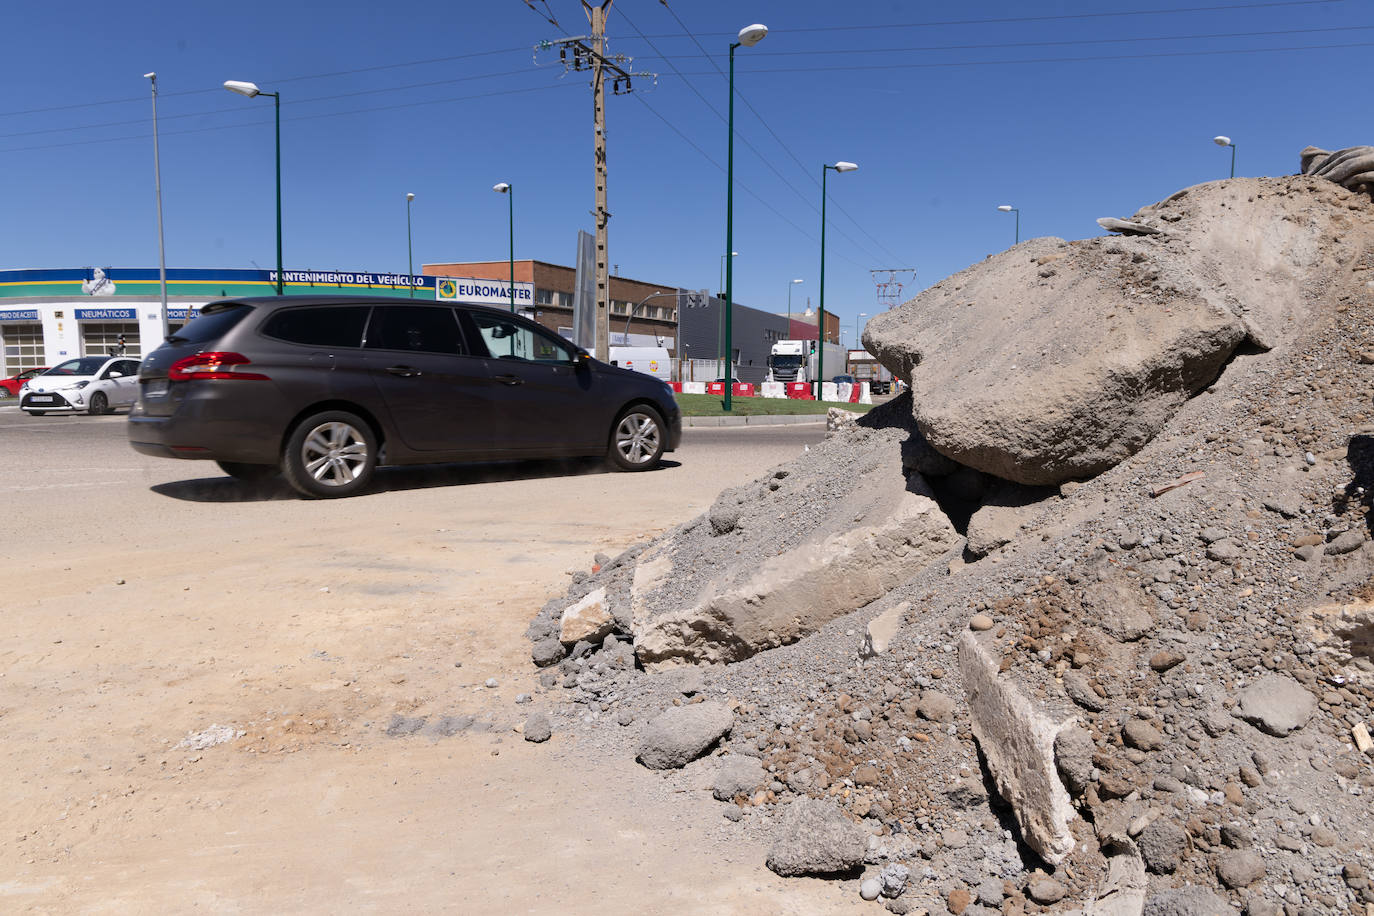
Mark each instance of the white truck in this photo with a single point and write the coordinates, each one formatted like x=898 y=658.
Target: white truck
x=795 y=361
x=865 y=368
x=649 y=360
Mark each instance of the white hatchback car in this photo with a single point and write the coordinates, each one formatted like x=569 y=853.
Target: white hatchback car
x=95 y=384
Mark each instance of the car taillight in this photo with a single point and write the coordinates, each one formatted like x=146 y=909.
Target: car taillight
x=211 y=366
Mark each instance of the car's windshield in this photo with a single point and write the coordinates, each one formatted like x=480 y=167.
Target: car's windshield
x=786 y=361
x=86 y=365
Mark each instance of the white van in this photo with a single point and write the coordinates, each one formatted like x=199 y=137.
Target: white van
x=649 y=360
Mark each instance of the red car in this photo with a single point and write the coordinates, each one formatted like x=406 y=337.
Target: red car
x=9 y=387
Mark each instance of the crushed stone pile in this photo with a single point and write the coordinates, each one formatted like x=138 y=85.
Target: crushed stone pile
x=1144 y=689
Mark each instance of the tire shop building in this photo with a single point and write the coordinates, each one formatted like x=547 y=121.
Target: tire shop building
x=47 y=316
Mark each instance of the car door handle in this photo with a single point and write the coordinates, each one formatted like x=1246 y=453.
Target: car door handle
x=509 y=379
x=403 y=371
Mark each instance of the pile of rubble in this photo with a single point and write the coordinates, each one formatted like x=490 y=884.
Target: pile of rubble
x=1084 y=622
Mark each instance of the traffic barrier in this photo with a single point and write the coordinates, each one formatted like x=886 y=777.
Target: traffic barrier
x=773 y=390
x=676 y=386
x=744 y=390
x=830 y=392
x=800 y=391
x=865 y=393
x=715 y=388
x=693 y=387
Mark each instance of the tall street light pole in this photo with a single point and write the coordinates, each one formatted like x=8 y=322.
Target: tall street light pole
x=161 y=252
x=250 y=90
x=789 y=306
x=1226 y=141
x=1008 y=208
x=856 y=328
x=505 y=188
x=820 y=309
x=733 y=254
x=410 y=256
x=749 y=36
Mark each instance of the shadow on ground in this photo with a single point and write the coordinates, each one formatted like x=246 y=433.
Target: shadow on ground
x=388 y=480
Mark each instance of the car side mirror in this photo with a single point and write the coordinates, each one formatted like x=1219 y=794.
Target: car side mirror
x=116 y=375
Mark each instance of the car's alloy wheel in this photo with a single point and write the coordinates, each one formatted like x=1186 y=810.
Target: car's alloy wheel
x=637 y=439
x=330 y=454
x=100 y=404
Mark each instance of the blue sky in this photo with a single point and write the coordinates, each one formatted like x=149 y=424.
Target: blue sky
x=1067 y=110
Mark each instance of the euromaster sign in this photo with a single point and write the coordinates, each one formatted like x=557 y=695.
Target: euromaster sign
x=483 y=292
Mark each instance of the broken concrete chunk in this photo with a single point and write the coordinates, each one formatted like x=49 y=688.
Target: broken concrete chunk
x=1276 y=704
x=1018 y=742
x=1189 y=900
x=589 y=619
x=792 y=595
x=1126 y=227
x=681 y=734
x=816 y=838
x=1122 y=892
x=882 y=628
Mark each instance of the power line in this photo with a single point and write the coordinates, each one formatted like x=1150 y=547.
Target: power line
x=291 y=119
x=294 y=102
x=1055 y=18
x=1051 y=60
x=289 y=79
x=1040 y=44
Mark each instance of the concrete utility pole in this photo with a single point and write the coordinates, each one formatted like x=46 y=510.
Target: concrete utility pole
x=596 y=15
x=576 y=53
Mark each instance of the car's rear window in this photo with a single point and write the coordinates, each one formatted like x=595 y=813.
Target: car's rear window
x=320 y=326
x=211 y=324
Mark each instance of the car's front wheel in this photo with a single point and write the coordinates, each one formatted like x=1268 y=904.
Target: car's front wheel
x=637 y=439
x=248 y=472
x=36 y=413
x=330 y=454
x=100 y=405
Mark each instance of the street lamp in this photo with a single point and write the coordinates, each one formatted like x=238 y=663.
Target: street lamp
x=856 y=327
x=161 y=253
x=634 y=307
x=1008 y=208
x=249 y=90
x=820 y=308
x=789 y=306
x=505 y=188
x=733 y=254
x=1226 y=141
x=410 y=258
x=749 y=36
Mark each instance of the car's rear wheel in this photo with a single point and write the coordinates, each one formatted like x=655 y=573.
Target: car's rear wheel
x=100 y=404
x=330 y=454
x=248 y=472
x=637 y=439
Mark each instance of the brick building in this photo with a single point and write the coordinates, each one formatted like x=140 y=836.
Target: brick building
x=654 y=323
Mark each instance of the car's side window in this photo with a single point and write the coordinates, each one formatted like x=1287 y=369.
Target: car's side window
x=330 y=326
x=507 y=339
x=417 y=328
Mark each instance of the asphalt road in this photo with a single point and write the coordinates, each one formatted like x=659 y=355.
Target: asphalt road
x=82 y=453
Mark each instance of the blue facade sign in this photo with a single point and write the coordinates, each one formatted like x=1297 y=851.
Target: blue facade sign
x=106 y=314
x=18 y=314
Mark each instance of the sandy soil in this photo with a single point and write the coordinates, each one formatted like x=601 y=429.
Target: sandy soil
x=147 y=602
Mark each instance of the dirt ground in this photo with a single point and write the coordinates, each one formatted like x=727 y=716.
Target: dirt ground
x=148 y=601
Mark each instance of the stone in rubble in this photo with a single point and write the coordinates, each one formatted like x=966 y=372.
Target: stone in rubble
x=537 y=728
x=681 y=734
x=1073 y=754
x=1239 y=868
x=998 y=521
x=1189 y=900
x=739 y=774
x=1276 y=704
x=816 y=837
x=588 y=620
x=1119 y=606
x=1162 y=845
